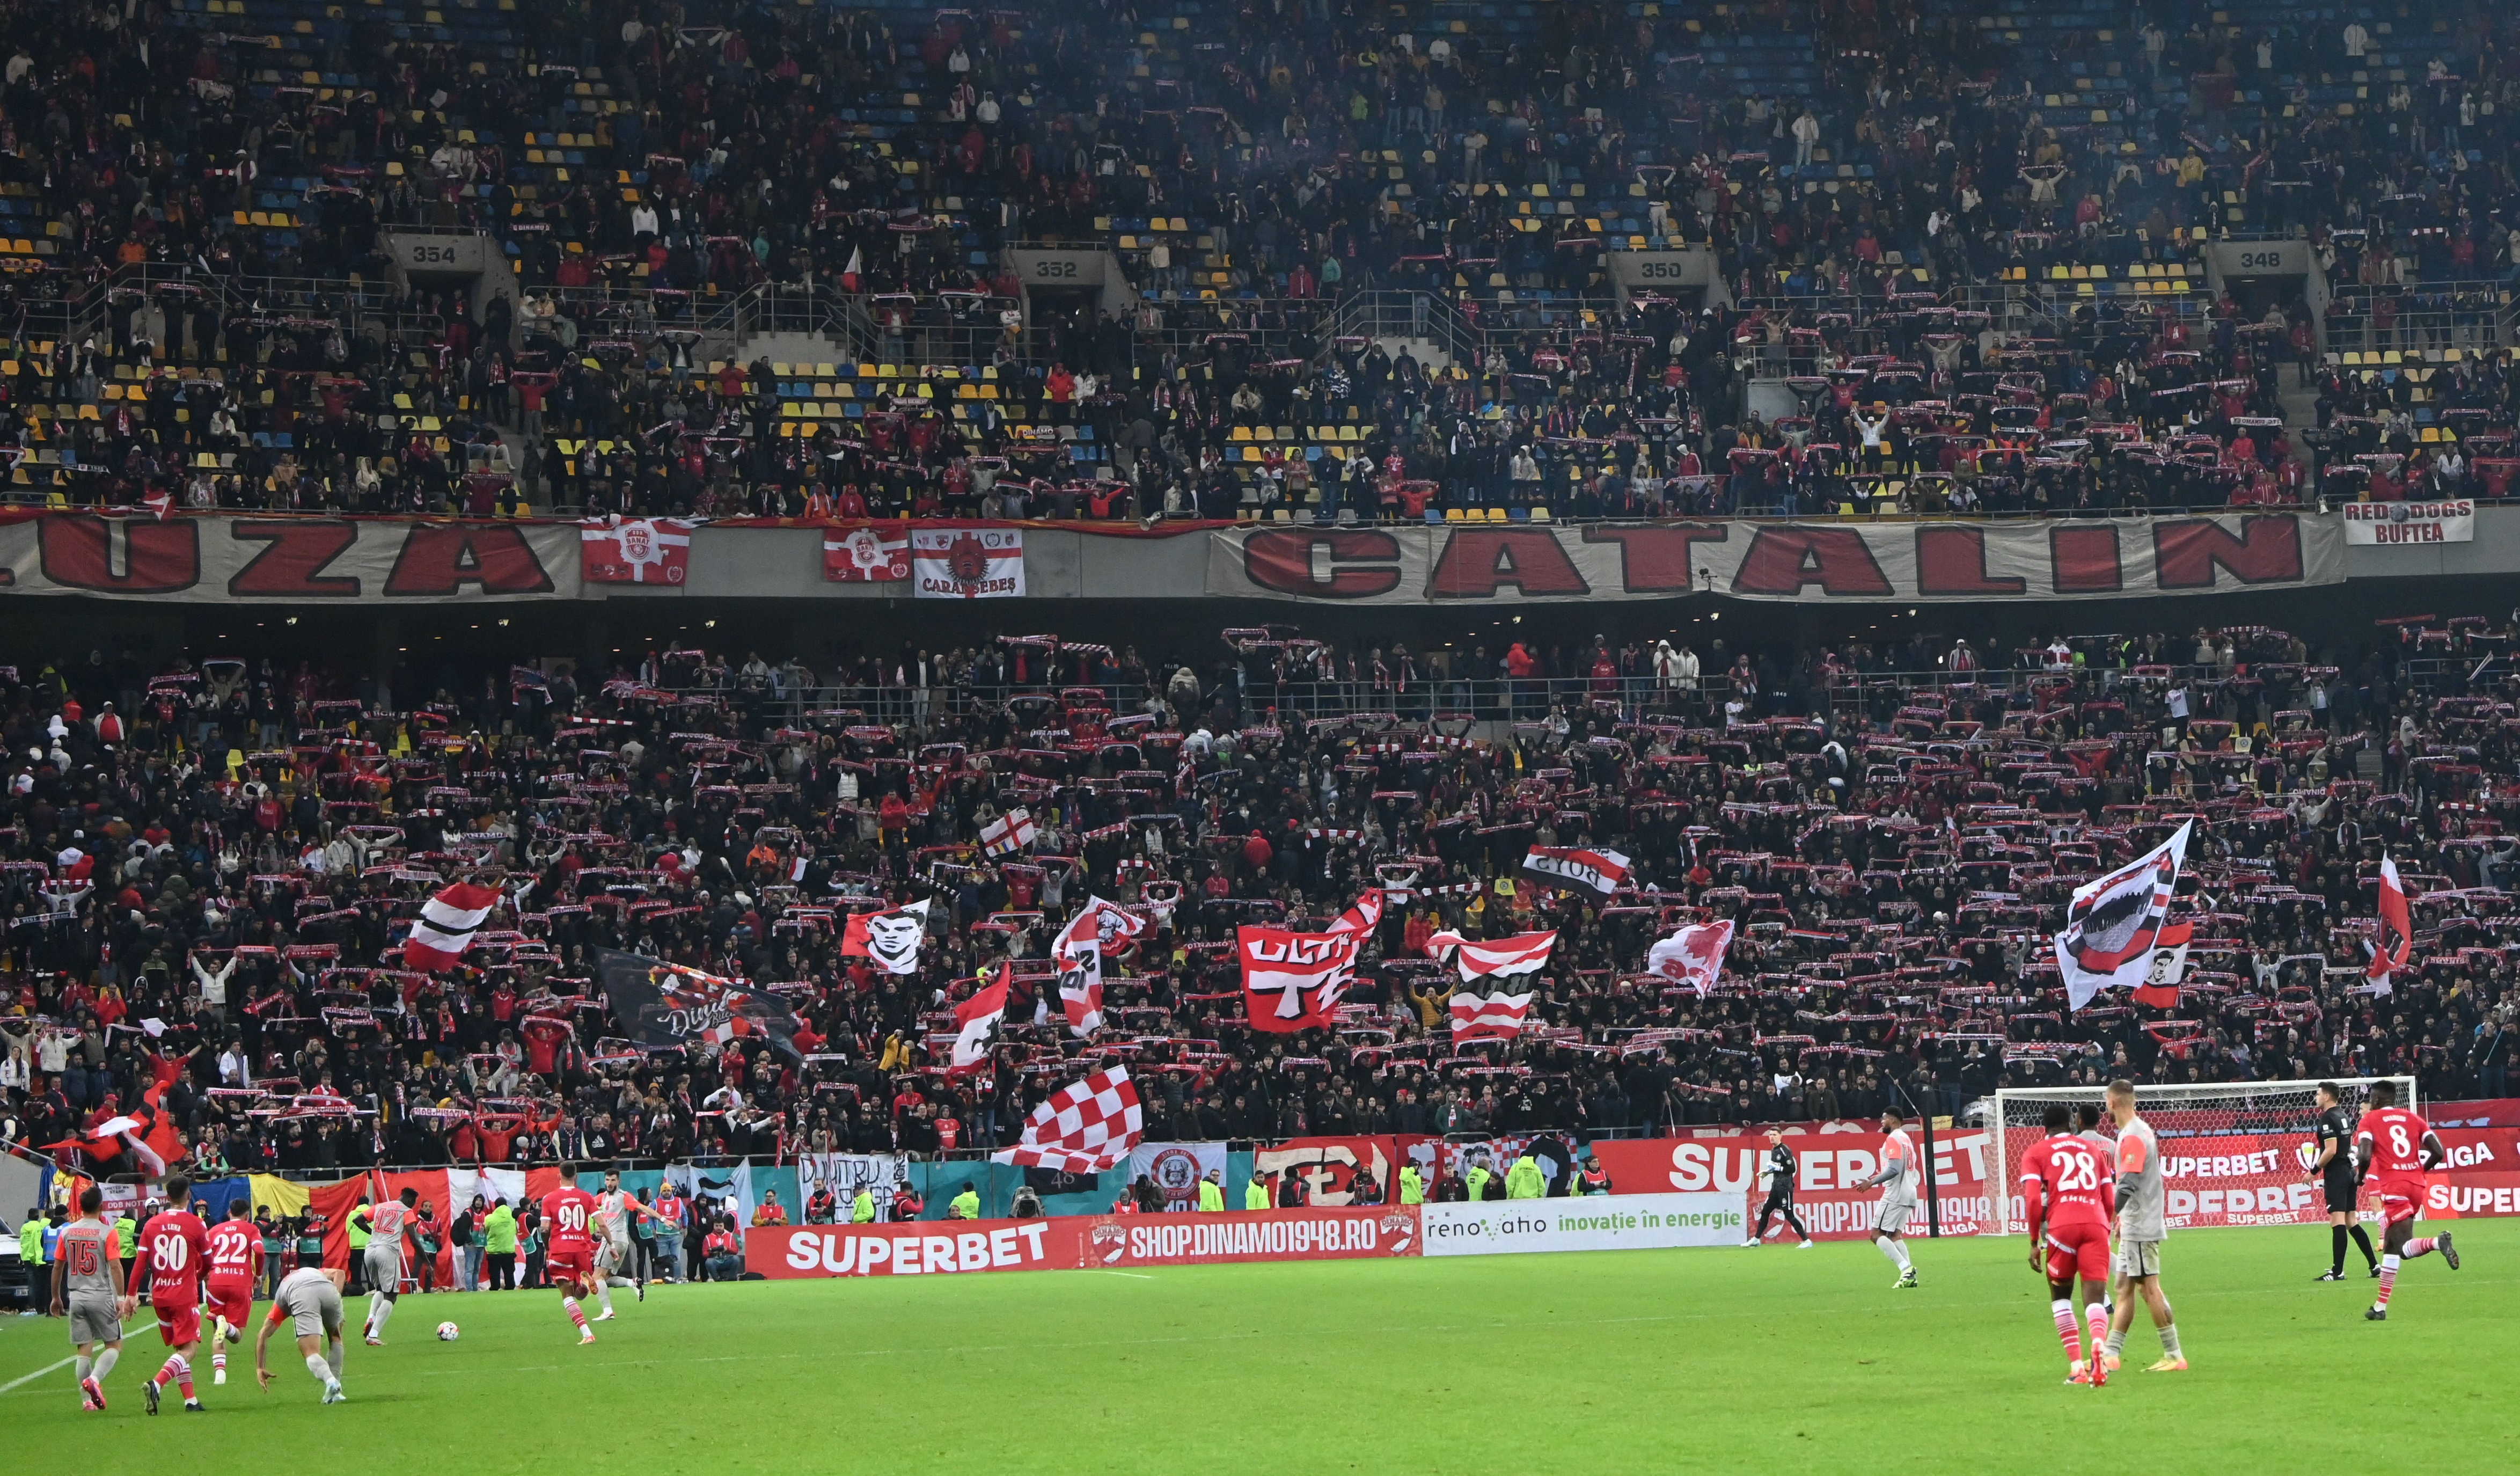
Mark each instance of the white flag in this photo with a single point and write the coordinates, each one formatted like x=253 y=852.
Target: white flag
x=1693 y=955
x=2113 y=926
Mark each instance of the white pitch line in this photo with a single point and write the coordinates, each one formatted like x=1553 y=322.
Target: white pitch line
x=1131 y=1274
x=14 y=1384
x=20 y=1383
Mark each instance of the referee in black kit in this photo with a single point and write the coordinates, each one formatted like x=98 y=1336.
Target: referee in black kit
x=2333 y=1171
x=1781 y=1171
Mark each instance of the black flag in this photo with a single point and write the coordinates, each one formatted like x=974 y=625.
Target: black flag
x=664 y=1005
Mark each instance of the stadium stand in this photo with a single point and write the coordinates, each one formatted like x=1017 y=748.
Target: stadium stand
x=231 y=854
x=1430 y=261
x=1352 y=264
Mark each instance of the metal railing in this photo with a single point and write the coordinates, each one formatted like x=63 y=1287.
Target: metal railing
x=1261 y=329
x=2474 y=315
x=1457 y=701
x=789 y=307
x=1421 y=316
x=1853 y=693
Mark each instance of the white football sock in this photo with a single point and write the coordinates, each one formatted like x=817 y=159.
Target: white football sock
x=333 y=1358
x=604 y=1293
x=85 y=1365
x=106 y=1359
x=378 y=1320
x=321 y=1370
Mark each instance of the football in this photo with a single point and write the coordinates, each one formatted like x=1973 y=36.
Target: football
x=448 y=1332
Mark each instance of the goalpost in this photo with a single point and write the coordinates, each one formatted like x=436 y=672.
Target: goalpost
x=2229 y=1148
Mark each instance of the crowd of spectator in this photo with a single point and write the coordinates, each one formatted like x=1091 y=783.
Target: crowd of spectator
x=1971 y=245
x=208 y=870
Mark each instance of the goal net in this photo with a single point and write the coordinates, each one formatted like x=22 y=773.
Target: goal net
x=2230 y=1150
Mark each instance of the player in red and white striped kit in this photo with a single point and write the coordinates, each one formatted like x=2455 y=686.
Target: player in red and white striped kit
x=568 y=1219
x=2394 y=1148
x=236 y=1268
x=174 y=1250
x=2070 y=1195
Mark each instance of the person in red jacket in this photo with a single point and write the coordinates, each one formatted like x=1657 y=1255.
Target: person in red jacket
x=722 y=1253
x=1414 y=933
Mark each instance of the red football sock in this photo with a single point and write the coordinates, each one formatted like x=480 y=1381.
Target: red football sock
x=165 y=1375
x=2388 y=1280
x=576 y=1314
x=2069 y=1331
x=2414 y=1248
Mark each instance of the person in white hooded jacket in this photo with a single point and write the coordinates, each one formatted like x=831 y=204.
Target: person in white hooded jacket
x=1675 y=670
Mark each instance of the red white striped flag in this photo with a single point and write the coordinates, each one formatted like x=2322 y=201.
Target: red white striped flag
x=1521 y=953
x=1084 y=1127
x=446 y=926
x=1489 y=1017
x=1362 y=915
x=1597 y=871
x=2395 y=919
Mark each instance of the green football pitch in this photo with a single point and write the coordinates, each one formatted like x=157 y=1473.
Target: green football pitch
x=1730 y=1360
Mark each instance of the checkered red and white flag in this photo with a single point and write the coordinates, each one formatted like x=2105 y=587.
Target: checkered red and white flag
x=1084 y=1128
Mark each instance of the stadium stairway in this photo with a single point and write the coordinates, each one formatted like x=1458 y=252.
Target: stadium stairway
x=2300 y=413
x=793 y=348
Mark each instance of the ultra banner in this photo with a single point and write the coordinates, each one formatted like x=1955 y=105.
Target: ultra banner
x=1814 y=562
x=206 y=559
x=2395 y=524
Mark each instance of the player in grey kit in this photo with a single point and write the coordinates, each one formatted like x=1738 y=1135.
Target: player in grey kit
x=2141 y=1230
x=87 y=1288
x=309 y=1297
x=1899 y=1181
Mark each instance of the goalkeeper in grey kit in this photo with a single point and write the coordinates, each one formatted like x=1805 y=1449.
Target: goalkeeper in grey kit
x=1779 y=1171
